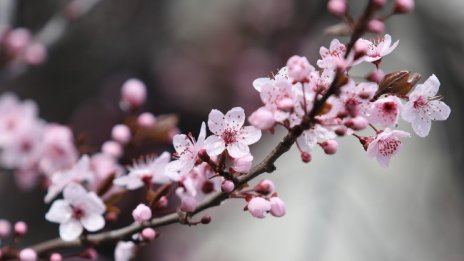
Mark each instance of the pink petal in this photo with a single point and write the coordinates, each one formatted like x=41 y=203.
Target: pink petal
x=428 y=88
x=249 y=135
x=59 y=212
x=93 y=222
x=70 y=230
x=181 y=143
x=130 y=182
x=177 y=168
x=94 y=204
x=214 y=145
x=440 y=111
x=235 y=118
x=238 y=149
x=421 y=126
x=216 y=122
x=74 y=192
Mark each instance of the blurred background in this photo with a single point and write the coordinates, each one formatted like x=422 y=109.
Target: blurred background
x=195 y=55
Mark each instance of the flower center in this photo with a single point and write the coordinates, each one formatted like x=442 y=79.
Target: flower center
x=420 y=102
x=229 y=136
x=78 y=213
x=389 y=146
x=389 y=107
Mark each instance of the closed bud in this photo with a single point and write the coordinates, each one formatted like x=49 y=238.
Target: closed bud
x=205 y=220
x=27 y=254
x=357 y=123
x=188 y=204
x=5 y=228
x=278 y=207
x=404 y=6
x=337 y=7
x=112 y=149
x=258 y=207
x=89 y=253
x=376 y=76
x=265 y=187
x=133 y=93
x=56 y=257
x=306 y=157
x=20 y=228
x=121 y=133
x=146 y=120
x=227 y=186
x=148 y=234
x=141 y=213
x=379 y=3
x=330 y=147
x=376 y=26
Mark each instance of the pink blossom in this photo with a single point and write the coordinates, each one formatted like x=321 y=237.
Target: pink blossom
x=141 y=213
x=299 y=69
x=148 y=234
x=27 y=254
x=20 y=228
x=404 y=6
x=187 y=150
x=56 y=257
x=230 y=134
x=146 y=119
x=112 y=148
x=77 y=210
x=258 y=207
x=5 y=228
x=309 y=138
x=337 y=7
x=278 y=207
x=262 y=119
x=385 y=111
x=385 y=145
x=330 y=147
x=265 y=187
x=424 y=106
x=275 y=96
x=188 y=204
x=379 y=48
x=148 y=171
x=17 y=40
x=80 y=172
x=133 y=93
x=376 y=26
x=282 y=74
x=124 y=251
x=227 y=186
x=121 y=133
x=332 y=56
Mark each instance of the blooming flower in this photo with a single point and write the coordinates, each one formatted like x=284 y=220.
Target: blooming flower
x=380 y=48
x=187 y=150
x=385 y=111
x=148 y=171
x=423 y=107
x=80 y=172
x=230 y=134
x=77 y=210
x=299 y=69
x=333 y=56
x=385 y=145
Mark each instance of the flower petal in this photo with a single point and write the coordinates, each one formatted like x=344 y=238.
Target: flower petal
x=235 y=118
x=440 y=111
x=74 y=192
x=181 y=143
x=93 y=222
x=70 y=230
x=177 y=168
x=249 y=135
x=421 y=126
x=129 y=182
x=428 y=88
x=216 y=122
x=59 y=212
x=238 y=149
x=214 y=145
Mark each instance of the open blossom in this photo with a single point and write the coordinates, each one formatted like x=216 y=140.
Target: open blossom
x=333 y=56
x=282 y=74
x=80 y=172
x=77 y=210
x=145 y=172
x=423 y=107
x=187 y=150
x=385 y=145
x=230 y=134
x=385 y=111
x=309 y=138
x=379 y=48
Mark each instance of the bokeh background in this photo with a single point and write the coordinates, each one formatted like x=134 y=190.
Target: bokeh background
x=195 y=55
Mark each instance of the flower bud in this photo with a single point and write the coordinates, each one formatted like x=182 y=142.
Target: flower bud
x=27 y=254
x=357 y=123
x=330 y=147
x=404 y=6
x=376 y=26
x=112 y=149
x=162 y=202
x=121 y=133
x=379 y=3
x=133 y=93
x=35 y=54
x=205 y=220
x=278 y=207
x=148 y=234
x=299 y=69
x=56 y=257
x=258 y=207
x=5 y=228
x=20 y=228
x=337 y=7
x=89 y=253
x=306 y=157
x=262 y=119
x=265 y=187
x=376 y=76
x=188 y=204
x=146 y=120
x=141 y=213
x=340 y=131
x=227 y=186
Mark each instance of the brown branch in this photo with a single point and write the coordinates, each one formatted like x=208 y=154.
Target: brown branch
x=266 y=166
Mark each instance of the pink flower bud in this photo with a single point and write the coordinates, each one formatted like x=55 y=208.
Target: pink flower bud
x=162 y=202
x=258 y=207
x=112 y=149
x=286 y=104
x=17 y=40
x=121 y=133
x=306 y=157
x=27 y=254
x=227 y=186
x=5 y=228
x=146 y=120
x=133 y=93
x=376 y=76
x=299 y=68
x=20 y=228
x=205 y=220
x=278 y=207
x=89 y=253
x=404 y=6
x=265 y=187
x=188 y=204
x=337 y=7
x=141 y=213
x=330 y=147
x=262 y=119
x=376 y=26
x=148 y=234
x=35 y=54
x=357 y=123
x=56 y=257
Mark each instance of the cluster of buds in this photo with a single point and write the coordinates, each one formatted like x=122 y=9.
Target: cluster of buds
x=18 y=45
